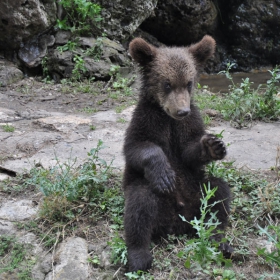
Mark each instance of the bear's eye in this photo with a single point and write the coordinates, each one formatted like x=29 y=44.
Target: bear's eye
x=167 y=86
x=189 y=86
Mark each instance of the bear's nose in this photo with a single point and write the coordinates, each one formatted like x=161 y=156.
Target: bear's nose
x=183 y=112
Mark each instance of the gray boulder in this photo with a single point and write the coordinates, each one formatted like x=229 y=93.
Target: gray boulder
x=32 y=52
x=9 y=75
x=98 y=55
x=122 y=17
x=21 y=20
x=71 y=261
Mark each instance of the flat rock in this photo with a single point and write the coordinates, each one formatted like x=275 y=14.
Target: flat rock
x=71 y=258
x=255 y=147
x=17 y=210
x=7 y=227
x=7 y=115
x=69 y=137
x=3 y=177
x=62 y=123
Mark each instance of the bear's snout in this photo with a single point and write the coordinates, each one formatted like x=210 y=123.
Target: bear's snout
x=183 y=112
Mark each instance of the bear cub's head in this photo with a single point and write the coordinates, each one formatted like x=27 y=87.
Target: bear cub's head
x=169 y=74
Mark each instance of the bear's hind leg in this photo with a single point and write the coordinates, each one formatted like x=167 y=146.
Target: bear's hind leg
x=139 y=221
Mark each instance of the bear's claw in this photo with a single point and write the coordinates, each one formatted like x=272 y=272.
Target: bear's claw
x=214 y=146
x=161 y=179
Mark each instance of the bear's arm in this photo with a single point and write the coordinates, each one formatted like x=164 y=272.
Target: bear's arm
x=149 y=159
x=204 y=150
x=199 y=147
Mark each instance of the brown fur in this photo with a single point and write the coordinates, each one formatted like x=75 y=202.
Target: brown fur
x=166 y=149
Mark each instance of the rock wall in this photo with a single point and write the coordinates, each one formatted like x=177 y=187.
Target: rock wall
x=20 y=20
x=182 y=22
x=247 y=31
x=253 y=29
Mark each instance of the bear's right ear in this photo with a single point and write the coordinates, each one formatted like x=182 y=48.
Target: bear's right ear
x=141 y=51
x=203 y=50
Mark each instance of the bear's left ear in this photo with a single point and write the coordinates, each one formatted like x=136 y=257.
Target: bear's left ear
x=203 y=50
x=141 y=51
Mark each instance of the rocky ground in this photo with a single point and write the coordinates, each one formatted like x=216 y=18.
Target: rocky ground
x=60 y=122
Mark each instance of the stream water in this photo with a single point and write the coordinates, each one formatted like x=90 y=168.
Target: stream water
x=219 y=82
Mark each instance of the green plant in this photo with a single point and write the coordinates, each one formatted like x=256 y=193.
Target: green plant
x=121 y=120
x=244 y=104
x=226 y=274
x=207 y=120
x=97 y=50
x=118 y=86
x=65 y=181
x=141 y=275
x=46 y=74
x=120 y=108
x=89 y=110
x=70 y=190
x=80 y=16
x=272 y=232
x=119 y=250
x=253 y=195
x=203 y=250
x=15 y=258
x=8 y=128
x=241 y=103
x=79 y=67
x=94 y=260
x=269 y=104
x=69 y=46
x=114 y=70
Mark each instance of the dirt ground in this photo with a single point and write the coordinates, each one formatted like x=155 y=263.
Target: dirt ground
x=61 y=117
x=64 y=121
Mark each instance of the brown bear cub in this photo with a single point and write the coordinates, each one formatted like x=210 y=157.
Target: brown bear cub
x=166 y=149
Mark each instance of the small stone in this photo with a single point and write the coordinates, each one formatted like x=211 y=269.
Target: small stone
x=71 y=259
x=9 y=75
x=105 y=259
x=3 y=177
x=7 y=228
x=211 y=112
x=46 y=264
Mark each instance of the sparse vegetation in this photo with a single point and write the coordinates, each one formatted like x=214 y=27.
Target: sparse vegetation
x=272 y=232
x=14 y=258
x=91 y=190
x=243 y=104
x=82 y=199
x=79 y=67
x=81 y=15
x=8 y=128
x=97 y=50
x=69 y=46
x=201 y=252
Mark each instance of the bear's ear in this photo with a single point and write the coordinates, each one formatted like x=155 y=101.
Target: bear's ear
x=203 y=50
x=141 y=51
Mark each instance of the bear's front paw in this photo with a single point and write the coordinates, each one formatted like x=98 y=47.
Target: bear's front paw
x=215 y=147
x=224 y=246
x=161 y=179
